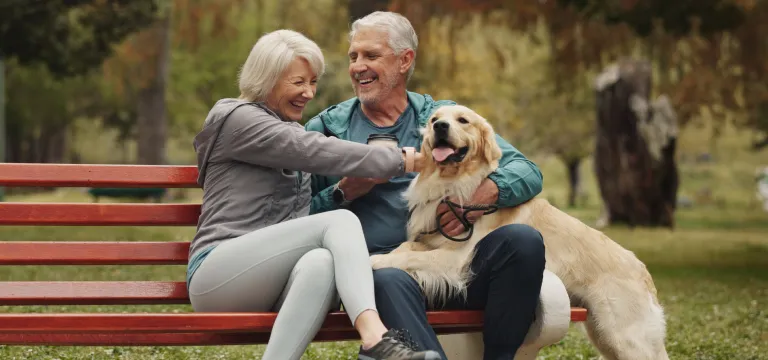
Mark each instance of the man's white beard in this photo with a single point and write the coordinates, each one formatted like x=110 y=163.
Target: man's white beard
x=371 y=98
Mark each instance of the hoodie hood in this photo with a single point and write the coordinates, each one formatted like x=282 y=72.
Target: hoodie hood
x=206 y=139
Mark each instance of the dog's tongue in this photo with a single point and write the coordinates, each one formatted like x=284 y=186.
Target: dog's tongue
x=441 y=153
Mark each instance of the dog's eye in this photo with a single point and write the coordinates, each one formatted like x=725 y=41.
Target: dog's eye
x=434 y=119
x=463 y=120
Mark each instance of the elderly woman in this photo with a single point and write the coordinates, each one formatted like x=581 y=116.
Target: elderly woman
x=256 y=248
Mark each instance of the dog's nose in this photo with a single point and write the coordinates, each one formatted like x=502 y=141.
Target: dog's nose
x=441 y=126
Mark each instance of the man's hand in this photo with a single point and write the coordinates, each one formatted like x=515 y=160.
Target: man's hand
x=486 y=193
x=354 y=188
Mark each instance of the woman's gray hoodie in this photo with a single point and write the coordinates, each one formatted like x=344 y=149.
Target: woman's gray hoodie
x=255 y=169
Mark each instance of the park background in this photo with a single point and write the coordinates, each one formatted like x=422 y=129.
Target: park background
x=130 y=82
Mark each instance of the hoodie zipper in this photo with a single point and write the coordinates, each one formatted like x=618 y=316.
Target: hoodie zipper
x=297 y=194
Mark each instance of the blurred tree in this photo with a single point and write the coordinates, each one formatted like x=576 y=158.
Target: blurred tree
x=677 y=18
x=361 y=8
x=40 y=109
x=69 y=37
x=138 y=72
x=751 y=65
x=51 y=49
x=212 y=39
x=152 y=126
x=528 y=72
x=710 y=55
x=635 y=148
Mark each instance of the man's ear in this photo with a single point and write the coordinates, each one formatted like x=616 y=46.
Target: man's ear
x=407 y=58
x=491 y=149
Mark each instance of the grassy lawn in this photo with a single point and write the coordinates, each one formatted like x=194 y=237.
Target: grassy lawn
x=711 y=270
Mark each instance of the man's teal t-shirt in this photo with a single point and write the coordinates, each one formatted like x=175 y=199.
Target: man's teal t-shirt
x=382 y=211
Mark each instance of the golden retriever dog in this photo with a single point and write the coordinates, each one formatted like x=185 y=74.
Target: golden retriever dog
x=625 y=318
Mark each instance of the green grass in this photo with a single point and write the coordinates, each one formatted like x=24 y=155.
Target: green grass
x=711 y=271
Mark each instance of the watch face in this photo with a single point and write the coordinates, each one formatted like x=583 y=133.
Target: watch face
x=338 y=196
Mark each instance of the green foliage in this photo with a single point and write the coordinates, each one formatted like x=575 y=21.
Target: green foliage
x=40 y=105
x=68 y=37
x=511 y=78
x=212 y=42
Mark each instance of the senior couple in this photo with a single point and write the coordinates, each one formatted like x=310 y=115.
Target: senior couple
x=290 y=215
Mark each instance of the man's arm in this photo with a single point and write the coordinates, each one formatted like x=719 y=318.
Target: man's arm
x=517 y=178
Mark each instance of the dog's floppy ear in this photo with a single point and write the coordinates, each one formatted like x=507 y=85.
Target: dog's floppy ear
x=491 y=151
x=425 y=142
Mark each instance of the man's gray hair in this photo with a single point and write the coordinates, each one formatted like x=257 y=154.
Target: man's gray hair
x=270 y=56
x=401 y=35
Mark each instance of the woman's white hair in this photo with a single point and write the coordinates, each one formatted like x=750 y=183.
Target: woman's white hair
x=270 y=56
x=401 y=35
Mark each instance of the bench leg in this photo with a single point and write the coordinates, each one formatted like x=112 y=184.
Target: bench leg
x=553 y=318
x=467 y=346
x=527 y=352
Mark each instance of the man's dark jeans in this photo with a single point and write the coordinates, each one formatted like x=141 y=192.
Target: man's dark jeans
x=508 y=267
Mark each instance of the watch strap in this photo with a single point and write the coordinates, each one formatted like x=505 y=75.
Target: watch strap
x=410 y=158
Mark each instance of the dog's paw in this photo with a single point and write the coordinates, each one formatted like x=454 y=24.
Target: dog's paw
x=380 y=261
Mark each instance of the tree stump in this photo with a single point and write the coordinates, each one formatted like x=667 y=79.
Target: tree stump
x=634 y=148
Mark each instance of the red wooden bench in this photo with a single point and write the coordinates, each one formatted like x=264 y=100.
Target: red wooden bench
x=133 y=328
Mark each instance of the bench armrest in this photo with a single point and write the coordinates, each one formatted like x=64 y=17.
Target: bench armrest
x=553 y=317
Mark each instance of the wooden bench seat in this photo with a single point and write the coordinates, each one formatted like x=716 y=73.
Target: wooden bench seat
x=139 y=329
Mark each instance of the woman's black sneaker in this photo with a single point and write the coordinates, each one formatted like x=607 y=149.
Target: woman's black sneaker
x=394 y=346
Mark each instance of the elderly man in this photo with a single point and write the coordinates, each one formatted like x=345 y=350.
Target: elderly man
x=509 y=262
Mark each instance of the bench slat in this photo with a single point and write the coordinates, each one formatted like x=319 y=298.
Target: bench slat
x=92 y=292
x=93 y=253
x=189 y=339
x=183 y=339
x=125 y=292
x=119 y=293
x=99 y=214
x=78 y=175
x=192 y=322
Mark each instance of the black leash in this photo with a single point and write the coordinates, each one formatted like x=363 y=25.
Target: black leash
x=452 y=206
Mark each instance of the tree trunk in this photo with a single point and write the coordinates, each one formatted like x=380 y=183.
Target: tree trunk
x=360 y=8
x=574 y=180
x=15 y=143
x=57 y=145
x=151 y=119
x=635 y=147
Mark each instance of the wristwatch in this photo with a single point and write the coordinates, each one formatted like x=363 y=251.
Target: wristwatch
x=409 y=153
x=338 y=196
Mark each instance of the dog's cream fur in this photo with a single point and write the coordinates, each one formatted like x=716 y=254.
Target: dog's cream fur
x=625 y=318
